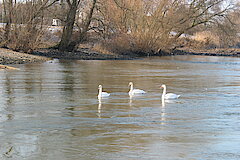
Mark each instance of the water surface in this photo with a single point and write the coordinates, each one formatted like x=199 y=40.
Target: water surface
x=50 y=110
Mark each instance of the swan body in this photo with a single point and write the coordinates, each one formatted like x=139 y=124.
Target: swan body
x=168 y=95
x=134 y=91
x=102 y=94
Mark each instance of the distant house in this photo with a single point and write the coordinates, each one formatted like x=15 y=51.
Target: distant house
x=56 y=22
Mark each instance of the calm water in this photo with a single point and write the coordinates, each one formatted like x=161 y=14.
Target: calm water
x=50 y=110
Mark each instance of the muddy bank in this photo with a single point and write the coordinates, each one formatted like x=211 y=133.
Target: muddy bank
x=11 y=57
x=233 y=52
x=87 y=54
x=82 y=54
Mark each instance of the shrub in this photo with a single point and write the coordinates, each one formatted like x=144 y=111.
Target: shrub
x=207 y=39
x=25 y=38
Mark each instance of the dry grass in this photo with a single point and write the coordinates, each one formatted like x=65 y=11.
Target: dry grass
x=2 y=38
x=25 y=38
x=121 y=44
x=207 y=38
x=101 y=49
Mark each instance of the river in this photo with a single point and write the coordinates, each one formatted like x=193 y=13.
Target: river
x=50 y=110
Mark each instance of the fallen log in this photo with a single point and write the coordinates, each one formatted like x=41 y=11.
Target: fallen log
x=7 y=67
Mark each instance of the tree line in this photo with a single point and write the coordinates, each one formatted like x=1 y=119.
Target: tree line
x=120 y=26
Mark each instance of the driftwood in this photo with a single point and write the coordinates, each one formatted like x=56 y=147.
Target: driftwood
x=7 y=67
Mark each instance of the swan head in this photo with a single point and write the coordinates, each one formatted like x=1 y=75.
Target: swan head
x=100 y=87
x=163 y=86
x=130 y=84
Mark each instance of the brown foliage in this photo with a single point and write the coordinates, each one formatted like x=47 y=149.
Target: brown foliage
x=25 y=38
x=155 y=25
x=24 y=20
x=122 y=44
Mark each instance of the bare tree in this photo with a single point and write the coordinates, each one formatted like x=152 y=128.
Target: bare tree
x=69 y=24
x=24 y=21
x=8 y=13
x=228 y=29
x=67 y=43
x=155 y=25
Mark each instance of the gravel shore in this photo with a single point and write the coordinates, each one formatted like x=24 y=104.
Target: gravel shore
x=11 y=57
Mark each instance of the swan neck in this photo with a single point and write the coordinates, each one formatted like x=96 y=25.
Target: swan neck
x=100 y=91
x=164 y=91
x=131 y=87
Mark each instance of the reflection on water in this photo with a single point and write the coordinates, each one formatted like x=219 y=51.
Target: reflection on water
x=99 y=107
x=51 y=110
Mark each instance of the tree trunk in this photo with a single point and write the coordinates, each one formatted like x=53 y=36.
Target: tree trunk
x=82 y=34
x=68 y=28
x=8 y=6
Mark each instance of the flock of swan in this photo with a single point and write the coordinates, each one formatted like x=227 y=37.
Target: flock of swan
x=133 y=92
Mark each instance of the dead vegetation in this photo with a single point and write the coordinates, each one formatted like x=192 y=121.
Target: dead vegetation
x=136 y=27
x=23 y=28
x=155 y=27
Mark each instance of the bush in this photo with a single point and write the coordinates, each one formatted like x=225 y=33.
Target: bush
x=120 y=44
x=207 y=39
x=2 y=39
x=25 y=38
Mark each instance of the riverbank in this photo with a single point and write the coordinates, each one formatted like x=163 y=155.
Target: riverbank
x=82 y=54
x=232 y=52
x=11 y=57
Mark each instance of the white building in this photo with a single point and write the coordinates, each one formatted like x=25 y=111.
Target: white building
x=56 y=22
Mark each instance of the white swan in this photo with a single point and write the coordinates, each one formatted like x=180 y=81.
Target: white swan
x=102 y=94
x=134 y=91
x=168 y=95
